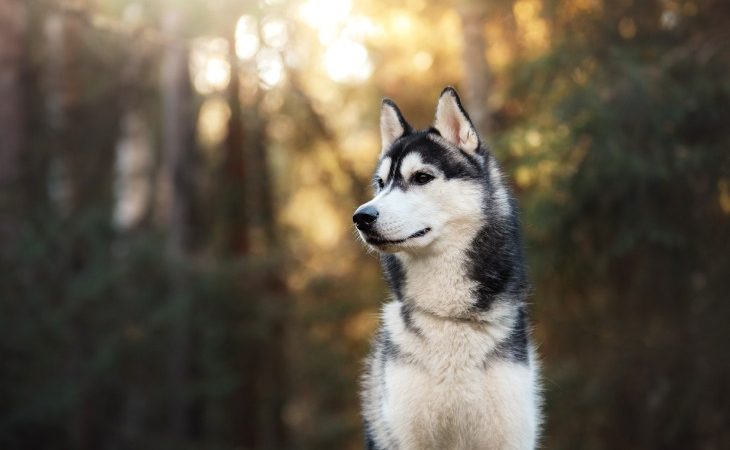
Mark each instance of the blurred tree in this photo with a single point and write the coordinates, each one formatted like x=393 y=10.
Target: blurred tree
x=477 y=76
x=618 y=130
x=177 y=191
x=12 y=112
x=239 y=317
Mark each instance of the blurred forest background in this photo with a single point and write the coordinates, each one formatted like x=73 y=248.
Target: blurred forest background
x=177 y=262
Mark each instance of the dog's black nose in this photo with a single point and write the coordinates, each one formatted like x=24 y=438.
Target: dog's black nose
x=365 y=217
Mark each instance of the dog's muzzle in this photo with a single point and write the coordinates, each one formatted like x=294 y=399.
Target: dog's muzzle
x=365 y=217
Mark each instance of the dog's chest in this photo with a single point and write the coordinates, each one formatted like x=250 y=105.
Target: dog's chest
x=460 y=410
x=488 y=410
x=434 y=400
x=447 y=392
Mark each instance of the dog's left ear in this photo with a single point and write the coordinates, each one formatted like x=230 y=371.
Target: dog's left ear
x=453 y=122
x=392 y=124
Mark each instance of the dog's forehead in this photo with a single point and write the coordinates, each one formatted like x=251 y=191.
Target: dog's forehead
x=411 y=162
x=417 y=143
x=410 y=152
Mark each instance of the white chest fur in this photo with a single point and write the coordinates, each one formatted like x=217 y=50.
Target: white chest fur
x=445 y=392
x=488 y=409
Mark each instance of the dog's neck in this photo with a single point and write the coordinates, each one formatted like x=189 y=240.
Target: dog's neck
x=438 y=282
x=464 y=276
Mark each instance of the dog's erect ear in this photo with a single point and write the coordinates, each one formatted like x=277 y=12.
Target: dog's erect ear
x=392 y=124
x=453 y=123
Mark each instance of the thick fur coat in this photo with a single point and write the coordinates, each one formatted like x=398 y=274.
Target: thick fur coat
x=452 y=365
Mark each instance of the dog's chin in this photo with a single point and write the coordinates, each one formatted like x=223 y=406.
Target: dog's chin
x=388 y=244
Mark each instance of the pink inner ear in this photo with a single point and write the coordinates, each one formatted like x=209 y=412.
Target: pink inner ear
x=450 y=125
x=454 y=129
x=454 y=126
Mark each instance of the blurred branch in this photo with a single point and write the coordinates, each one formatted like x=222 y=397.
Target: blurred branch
x=357 y=190
x=700 y=48
x=82 y=13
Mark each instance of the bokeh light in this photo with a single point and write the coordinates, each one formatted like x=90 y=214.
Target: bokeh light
x=347 y=61
x=274 y=32
x=270 y=67
x=212 y=122
x=324 y=13
x=209 y=66
x=247 y=37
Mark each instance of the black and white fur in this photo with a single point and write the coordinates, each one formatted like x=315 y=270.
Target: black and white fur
x=452 y=365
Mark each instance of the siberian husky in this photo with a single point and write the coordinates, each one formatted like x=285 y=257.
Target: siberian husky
x=452 y=365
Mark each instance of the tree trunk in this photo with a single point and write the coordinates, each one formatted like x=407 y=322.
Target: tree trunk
x=272 y=383
x=236 y=223
x=12 y=113
x=63 y=71
x=234 y=168
x=477 y=76
x=176 y=188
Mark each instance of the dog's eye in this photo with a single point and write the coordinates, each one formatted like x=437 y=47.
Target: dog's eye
x=421 y=177
x=379 y=182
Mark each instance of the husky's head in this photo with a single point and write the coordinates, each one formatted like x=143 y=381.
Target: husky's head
x=431 y=186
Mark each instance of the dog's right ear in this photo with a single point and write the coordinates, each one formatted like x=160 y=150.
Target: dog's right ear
x=392 y=124
x=453 y=123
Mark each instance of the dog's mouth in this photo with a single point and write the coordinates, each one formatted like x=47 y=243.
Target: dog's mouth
x=377 y=241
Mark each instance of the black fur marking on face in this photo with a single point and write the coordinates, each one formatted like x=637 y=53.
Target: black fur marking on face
x=452 y=165
x=433 y=130
x=394 y=274
x=472 y=160
x=378 y=184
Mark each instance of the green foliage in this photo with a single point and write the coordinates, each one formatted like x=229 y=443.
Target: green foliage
x=87 y=324
x=614 y=131
x=627 y=239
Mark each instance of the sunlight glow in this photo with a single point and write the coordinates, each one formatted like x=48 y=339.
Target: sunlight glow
x=358 y=28
x=347 y=61
x=209 y=65
x=133 y=15
x=499 y=52
x=533 y=138
x=723 y=190
x=213 y=121
x=270 y=67
x=274 y=32
x=422 y=61
x=311 y=211
x=218 y=73
x=533 y=28
x=345 y=58
x=401 y=23
x=133 y=167
x=247 y=37
x=324 y=13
